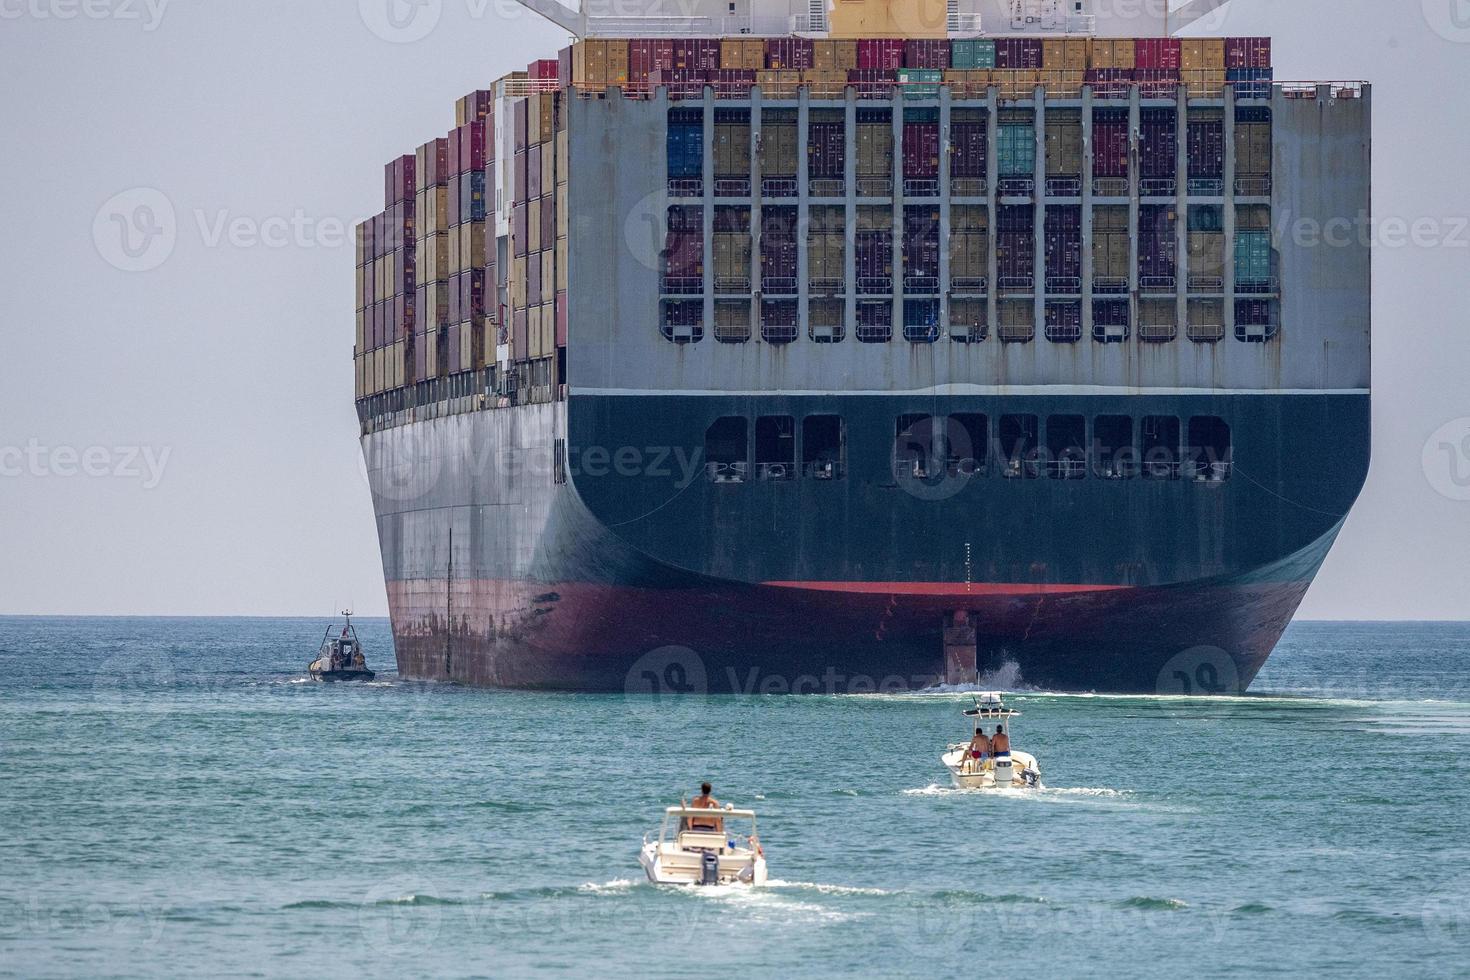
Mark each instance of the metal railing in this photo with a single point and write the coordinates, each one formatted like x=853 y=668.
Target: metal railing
x=874 y=186
x=874 y=333
x=1205 y=333
x=875 y=285
x=1157 y=333
x=824 y=284
x=968 y=186
x=1064 y=186
x=1017 y=284
x=1207 y=186
x=686 y=187
x=1110 y=333
x=1157 y=284
x=732 y=284
x=1110 y=285
x=778 y=333
x=1157 y=187
x=1256 y=287
x=778 y=285
x=920 y=284
x=921 y=333
x=732 y=187
x=827 y=186
x=1016 y=186
x=921 y=186
x=726 y=472
x=1066 y=468
x=778 y=186
x=1064 y=285
x=1253 y=185
x=1206 y=284
x=963 y=24
x=1110 y=186
x=825 y=469
x=968 y=284
x=683 y=285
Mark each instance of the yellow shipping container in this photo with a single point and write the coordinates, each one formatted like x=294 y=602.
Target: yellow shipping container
x=533 y=118
x=433 y=259
x=1076 y=53
x=548 y=270
x=1205 y=83
x=548 y=168
x=1063 y=83
x=743 y=53
x=563 y=158
x=561 y=212
x=778 y=84
x=1116 y=53
x=533 y=226
x=968 y=83
x=518 y=283
x=472 y=245
x=834 y=55
x=1016 y=84
x=561 y=265
x=825 y=83
x=433 y=210
x=1215 y=53
x=455 y=258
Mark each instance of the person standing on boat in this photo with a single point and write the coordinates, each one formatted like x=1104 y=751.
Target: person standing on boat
x=1000 y=745
x=704 y=801
x=979 y=749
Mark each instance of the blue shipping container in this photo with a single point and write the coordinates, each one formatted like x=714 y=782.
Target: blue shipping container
x=1252 y=257
x=1016 y=149
x=1250 y=83
x=686 y=149
x=972 y=54
x=472 y=196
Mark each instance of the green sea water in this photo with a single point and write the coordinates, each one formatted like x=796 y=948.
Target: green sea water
x=176 y=799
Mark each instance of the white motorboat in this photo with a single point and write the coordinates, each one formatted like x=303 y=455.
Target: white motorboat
x=340 y=657
x=1013 y=770
x=701 y=847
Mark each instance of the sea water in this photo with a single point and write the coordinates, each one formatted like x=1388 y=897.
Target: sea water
x=176 y=798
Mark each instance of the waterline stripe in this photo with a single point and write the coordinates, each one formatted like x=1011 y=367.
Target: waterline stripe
x=960 y=389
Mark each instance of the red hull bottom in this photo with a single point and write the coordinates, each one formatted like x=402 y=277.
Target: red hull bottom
x=1208 y=637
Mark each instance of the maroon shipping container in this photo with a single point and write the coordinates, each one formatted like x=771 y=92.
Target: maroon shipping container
x=1207 y=149
x=472 y=147
x=921 y=149
x=518 y=229
x=1157 y=52
x=521 y=137
x=520 y=178
x=1110 y=143
x=1157 y=83
x=519 y=336
x=399 y=181
x=967 y=149
x=404 y=278
x=544 y=69
x=732 y=83
x=880 y=54
x=1156 y=242
x=1247 y=52
x=454 y=135
x=397 y=227
x=872 y=82
x=1024 y=53
x=1063 y=246
x=681 y=83
x=561 y=319
x=921 y=243
x=697 y=54
x=1158 y=145
x=926 y=53
x=684 y=255
x=533 y=172
x=489 y=150
x=826 y=151
x=481 y=103
x=1109 y=83
x=472 y=294
x=438 y=163
x=789 y=53
x=548 y=221
x=646 y=56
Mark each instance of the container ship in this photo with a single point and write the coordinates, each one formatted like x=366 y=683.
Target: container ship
x=854 y=345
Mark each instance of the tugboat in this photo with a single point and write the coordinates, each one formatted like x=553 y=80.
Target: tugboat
x=1007 y=770
x=340 y=658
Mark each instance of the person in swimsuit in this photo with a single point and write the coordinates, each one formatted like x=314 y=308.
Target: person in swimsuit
x=978 y=751
x=704 y=801
x=1000 y=745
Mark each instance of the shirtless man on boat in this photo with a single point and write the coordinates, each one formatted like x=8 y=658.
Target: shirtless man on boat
x=978 y=751
x=704 y=801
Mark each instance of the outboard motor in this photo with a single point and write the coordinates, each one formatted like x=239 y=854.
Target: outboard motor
x=1004 y=773
x=709 y=869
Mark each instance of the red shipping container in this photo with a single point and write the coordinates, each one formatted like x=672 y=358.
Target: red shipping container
x=1110 y=143
x=788 y=53
x=880 y=54
x=561 y=319
x=438 y=163
x=1018 y=53
x=646 y=56
x=472 y=147
x=1157 y=52
x=1248 y=52
x=399 y=181
x=921 y=149
x=684 y=255
x=520 y=346
x=1109 y=83
x=697 y=54
x=682 y=84
x=544 y=69
x=872 y=83
x=929 y=53
x=967 y=149
x=826 y=150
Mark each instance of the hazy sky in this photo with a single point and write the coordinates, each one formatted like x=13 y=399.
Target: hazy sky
x=181 y=439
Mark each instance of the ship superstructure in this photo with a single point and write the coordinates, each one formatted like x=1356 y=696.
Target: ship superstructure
x=868 y=341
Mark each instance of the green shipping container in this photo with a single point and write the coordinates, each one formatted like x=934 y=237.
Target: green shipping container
x=920 y=83
x=1252 y=256
x=1016 y=145
x=972 y=54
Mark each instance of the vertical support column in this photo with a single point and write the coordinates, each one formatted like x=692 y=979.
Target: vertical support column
x=992 y=191
x=1228 y=217
x=1135 y=122
x=803 y=212
x=756 y=287
x=898 y=270
x=1088 y=269
x=849 y=186
x=1038 y=214
x=708 y=220
x=1181 y=212
x=944 y=209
